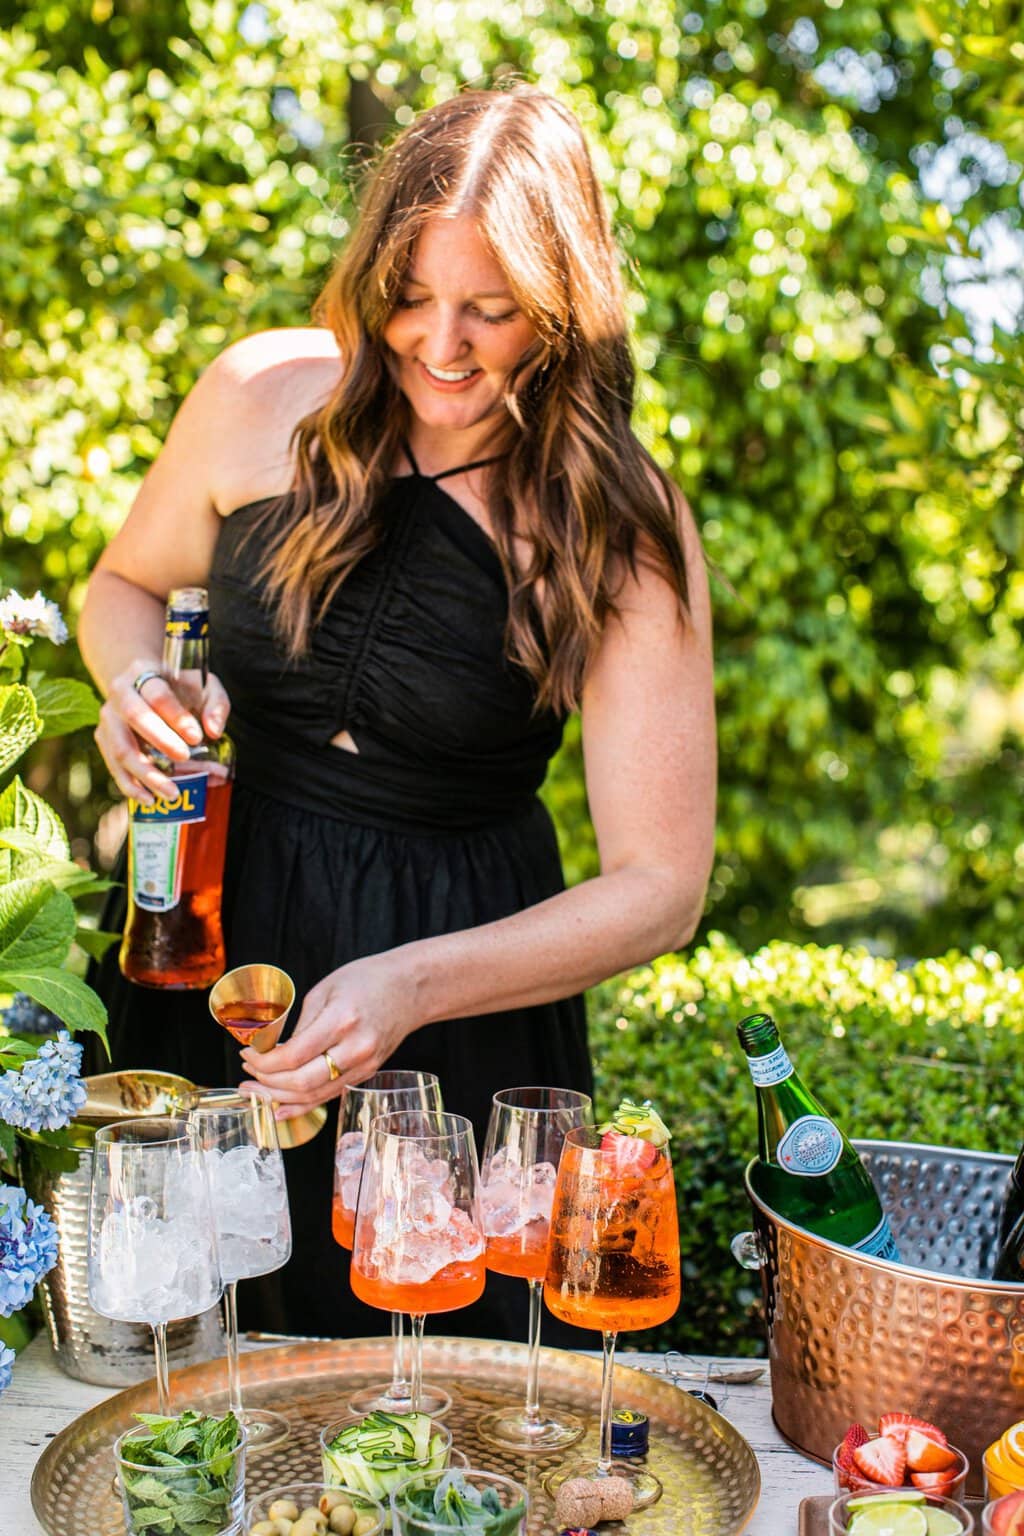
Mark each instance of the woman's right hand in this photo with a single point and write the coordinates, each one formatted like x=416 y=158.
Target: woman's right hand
x=132 y=719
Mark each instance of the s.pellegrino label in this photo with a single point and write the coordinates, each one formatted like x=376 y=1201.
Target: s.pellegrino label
x=156 y=844
x=766 y=1070
x=810 y=1147
x=880 y=1243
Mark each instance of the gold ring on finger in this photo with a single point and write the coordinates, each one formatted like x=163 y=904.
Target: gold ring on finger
x=332 y=1067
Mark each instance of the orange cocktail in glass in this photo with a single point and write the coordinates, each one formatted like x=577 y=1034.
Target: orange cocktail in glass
x=517 y=1186
x=419 y=1244
x=613 y=1258
x=358 y=1107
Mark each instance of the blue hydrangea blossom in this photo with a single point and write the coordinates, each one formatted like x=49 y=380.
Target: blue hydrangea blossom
x=45 y=1094
x=28 y=1247
x=24 y=1016
x=6 y=1362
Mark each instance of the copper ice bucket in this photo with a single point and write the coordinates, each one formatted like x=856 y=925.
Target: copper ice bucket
x=852 y=1337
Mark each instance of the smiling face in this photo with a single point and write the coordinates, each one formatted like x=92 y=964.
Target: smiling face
x=456 y=334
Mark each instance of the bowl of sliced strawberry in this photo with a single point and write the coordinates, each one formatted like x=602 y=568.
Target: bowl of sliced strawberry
x=906 y=1452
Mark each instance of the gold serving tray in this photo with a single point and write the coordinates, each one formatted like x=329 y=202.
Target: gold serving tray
x=709 y=1472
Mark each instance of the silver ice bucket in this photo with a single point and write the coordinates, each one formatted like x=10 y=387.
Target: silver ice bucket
x=87 y=1345
x=851 y=1337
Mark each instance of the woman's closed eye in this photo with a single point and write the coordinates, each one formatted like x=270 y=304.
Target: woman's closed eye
x=405 y=301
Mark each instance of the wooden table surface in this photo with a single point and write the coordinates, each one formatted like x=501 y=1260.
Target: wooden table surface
x=41 y=1401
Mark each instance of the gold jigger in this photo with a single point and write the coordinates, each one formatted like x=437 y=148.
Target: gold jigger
x=265 y=984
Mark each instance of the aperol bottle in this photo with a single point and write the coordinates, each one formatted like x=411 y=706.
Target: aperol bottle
x=173 y=935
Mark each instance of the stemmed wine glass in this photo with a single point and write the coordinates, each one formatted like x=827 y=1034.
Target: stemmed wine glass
x=358 y=1107
x=613 y=1263
x=152 y=1244
x=238 y=1140
x=418 y=1245
x=517 y=1186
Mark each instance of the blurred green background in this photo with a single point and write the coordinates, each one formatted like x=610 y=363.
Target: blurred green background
x=820 y=206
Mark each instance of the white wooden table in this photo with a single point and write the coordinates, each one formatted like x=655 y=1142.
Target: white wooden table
x=41 y=1400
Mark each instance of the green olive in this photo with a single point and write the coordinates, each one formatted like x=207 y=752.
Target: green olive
x=364 y=1525
x=283 y=1509
x=265 y=1528
x=342 y=1519
x=309 y=1523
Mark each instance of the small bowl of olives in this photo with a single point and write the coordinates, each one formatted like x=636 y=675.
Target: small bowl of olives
x=313 y=1509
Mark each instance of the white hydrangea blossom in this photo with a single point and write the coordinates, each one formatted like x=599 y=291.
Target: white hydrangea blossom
x=35 y=616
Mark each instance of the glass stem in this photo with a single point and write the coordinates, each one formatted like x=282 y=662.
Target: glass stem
x=416 y=1322
x=399 y=1384
x=604 y=1463
x=533 y=1359
x=231 y=1338
x=163 y=1386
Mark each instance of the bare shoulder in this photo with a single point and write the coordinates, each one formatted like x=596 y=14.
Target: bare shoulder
x=255 y=393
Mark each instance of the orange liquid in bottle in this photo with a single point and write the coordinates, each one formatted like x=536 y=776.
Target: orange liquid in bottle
x=184 y=946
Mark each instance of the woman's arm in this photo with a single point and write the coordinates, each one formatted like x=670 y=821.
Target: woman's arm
x=649 y=749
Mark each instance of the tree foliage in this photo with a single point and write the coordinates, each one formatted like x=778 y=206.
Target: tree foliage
x=802 y=191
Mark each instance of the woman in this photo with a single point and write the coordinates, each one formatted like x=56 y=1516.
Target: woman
x=428 y=533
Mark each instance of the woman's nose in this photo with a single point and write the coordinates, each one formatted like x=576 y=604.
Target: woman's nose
x=447 y=340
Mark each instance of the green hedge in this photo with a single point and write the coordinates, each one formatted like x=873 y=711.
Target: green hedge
x=929 y=1053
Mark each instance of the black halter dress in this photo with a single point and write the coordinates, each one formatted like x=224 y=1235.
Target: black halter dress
x=432 y=826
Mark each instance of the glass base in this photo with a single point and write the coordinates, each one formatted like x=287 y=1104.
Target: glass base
x=381 y=1397
x=266 y=1430
x=647 y=1490
x=511 y=1429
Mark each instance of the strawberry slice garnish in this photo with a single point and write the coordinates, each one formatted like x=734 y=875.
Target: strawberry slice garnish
x=882 y=1461
x=855 y=1435
x=629 y=1154
x=934 y=1482
x=898 y=1425
x=927 y=1455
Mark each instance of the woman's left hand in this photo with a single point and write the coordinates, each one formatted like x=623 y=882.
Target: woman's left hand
x=360 y=1013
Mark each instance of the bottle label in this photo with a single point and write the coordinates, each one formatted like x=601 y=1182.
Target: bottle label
x=812 y=1146
x=186 y=624
x=157 y=847
x=768 y=1070
x=880 y=1243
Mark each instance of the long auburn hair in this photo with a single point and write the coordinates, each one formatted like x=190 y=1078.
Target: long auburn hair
x=576 y=498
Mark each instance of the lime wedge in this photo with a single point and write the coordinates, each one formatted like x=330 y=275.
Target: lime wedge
x=888 y=1519
x=893 y=1496
x=942 y=1523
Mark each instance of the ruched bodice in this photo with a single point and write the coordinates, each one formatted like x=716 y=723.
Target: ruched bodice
x=409 y=659
x=432 y=827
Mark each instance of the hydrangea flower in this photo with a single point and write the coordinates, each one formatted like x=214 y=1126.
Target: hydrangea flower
x=45 y=1093
x=24 y=1016
x=28 y=1247
x=6 y=1362
x=34 y=616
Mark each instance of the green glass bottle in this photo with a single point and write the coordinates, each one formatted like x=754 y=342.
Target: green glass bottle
x=807 y=1171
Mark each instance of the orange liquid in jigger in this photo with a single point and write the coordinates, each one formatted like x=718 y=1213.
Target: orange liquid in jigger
x=245 y=1020
x=457 y=1285
x=613 y=1262
x=524 y=1255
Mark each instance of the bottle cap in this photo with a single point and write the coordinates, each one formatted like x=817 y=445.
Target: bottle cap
x=630 y=1432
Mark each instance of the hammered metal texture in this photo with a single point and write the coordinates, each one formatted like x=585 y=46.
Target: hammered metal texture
x=709 y=1472
x=87 y=1345
x=851 y=1337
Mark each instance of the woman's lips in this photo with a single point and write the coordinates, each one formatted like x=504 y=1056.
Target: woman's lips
x=447 y=386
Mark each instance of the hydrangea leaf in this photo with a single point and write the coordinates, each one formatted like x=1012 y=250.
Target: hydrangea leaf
x=65 y=705
x=63 y=993
x=37 y=926
x=20 y=723
x=23 y=811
